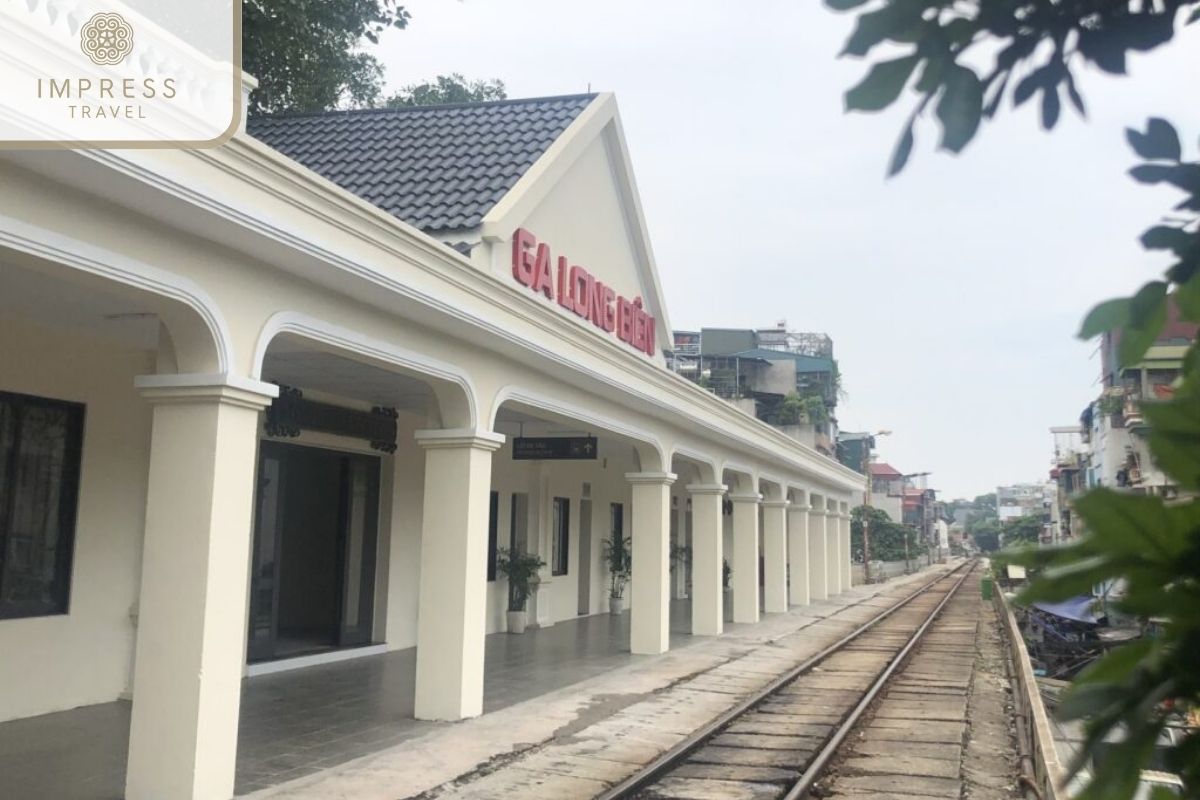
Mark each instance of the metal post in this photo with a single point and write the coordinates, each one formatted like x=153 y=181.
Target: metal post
x=866 y=513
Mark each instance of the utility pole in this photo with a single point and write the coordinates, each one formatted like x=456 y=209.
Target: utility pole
x=868 y=443
x=866 y=512
x=907 y=565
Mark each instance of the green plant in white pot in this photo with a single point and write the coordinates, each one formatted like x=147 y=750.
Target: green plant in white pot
x=617 y=553
x=521 y=570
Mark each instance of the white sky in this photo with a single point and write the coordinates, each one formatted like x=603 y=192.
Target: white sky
x=952 y=293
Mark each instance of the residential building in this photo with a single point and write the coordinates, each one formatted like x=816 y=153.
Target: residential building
x=1069 y=475
x=1113 y=427
x=887 y=490
x=1024 y=500
x=786 y=378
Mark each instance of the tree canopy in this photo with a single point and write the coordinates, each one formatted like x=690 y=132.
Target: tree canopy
x=887 y=536
x=307 y=56
x=452 y=88
x=961 y=61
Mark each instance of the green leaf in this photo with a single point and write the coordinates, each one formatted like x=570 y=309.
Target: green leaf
x=1151 y=173
x=1107 y=316
x=1160 y=142
x=903 y=150
x=959 y=108
x=1050 y=107
x=1027 y=87
x=882 y=84
x=1074 y=95
x=1175 y=439
x=844 y=5
x=1147 y=316
x=1187 y=298
x=1165 y=237
x=1118 y=663
x=875 y=27
x=931 y=73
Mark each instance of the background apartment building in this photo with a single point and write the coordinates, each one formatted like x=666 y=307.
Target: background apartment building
x=786 y=378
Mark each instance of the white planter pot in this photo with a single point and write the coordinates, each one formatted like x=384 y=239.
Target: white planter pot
x=616 y=605
x=516 y=621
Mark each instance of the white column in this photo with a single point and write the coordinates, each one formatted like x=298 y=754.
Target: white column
x=745 y=557
x=192 y=607
x=847 y=558
x=452 y=603
x=833 y=552
x=797 y=530
x=708 y=561
x=775 y=597
x=650 y=582
x=818 y=574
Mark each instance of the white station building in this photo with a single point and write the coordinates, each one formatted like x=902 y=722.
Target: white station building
x=258 y=408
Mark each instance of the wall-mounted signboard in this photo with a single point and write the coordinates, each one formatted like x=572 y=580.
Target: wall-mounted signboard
x=554 y=448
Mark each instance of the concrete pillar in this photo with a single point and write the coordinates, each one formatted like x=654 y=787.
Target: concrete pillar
x=847 y=557
x=708 y=595
x=452 y=603
x=797 y=550
x=745 y=557
x=818 y=573
x=650 y=583
x=191 y=634
x=833 y=552
x=775 y=597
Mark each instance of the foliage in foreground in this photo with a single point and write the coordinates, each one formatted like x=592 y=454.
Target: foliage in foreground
x=1029 y=48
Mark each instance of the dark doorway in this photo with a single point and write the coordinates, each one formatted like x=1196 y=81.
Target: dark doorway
x=313 y=575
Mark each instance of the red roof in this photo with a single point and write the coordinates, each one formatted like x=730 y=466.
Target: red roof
x=885 y=471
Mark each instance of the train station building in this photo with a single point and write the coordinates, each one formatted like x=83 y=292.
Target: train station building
x=279 y=405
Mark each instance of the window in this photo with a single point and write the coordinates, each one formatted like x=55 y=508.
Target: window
x=493 y=520
x=617 y=521
x=562 y=536
x=518 y=522
x=40 y=443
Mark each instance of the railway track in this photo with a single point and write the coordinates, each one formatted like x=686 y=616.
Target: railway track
x=779 y=741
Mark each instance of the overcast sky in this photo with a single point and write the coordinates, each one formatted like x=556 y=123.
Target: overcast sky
x=952 y=293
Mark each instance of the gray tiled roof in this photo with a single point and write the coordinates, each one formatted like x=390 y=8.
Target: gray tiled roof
x=439 y=168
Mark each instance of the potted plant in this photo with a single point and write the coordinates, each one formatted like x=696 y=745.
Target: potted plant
x=726 y=573
x=617 y=555
x=521 y=570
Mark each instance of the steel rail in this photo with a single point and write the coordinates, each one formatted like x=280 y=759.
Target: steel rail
x=675 y=755
x=815 y=767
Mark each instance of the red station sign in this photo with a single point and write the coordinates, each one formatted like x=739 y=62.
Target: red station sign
x=578 y=291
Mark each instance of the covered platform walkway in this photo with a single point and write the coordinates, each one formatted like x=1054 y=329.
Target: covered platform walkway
x=300 y=722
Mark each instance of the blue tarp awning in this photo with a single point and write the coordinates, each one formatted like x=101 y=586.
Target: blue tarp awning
x=1078 y=609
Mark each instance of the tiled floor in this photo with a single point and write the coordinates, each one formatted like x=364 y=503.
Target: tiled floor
x=299 y=722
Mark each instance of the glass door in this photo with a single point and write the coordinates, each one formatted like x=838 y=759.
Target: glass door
x=313 y=566
x=360 y=502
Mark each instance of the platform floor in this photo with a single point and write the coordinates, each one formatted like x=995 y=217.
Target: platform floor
x=300 y=722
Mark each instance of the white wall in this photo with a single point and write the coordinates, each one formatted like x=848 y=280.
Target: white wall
x=84 y=656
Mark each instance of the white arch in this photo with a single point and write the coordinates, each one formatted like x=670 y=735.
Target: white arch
x=56 y=248
x=708 y=463
x=515 y=394
x=747 y=476
x=319 y=330
x=779 y=483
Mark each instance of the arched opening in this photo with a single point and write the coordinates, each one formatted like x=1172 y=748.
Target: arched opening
x=74 y=336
